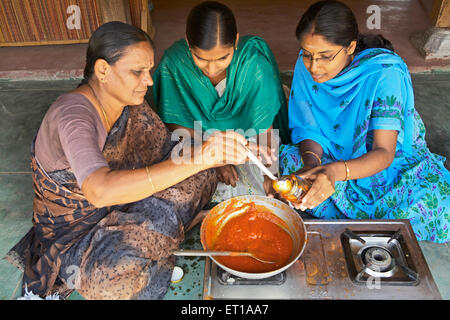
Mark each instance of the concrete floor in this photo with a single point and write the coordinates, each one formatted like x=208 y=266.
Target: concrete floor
x=24 y=103
x=275 y=21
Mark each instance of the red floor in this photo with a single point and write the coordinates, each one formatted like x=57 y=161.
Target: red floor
x=273 y=20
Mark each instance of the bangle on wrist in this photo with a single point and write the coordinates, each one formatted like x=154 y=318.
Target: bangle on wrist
x=347 y=171
x=150 y=178
x=314 y=154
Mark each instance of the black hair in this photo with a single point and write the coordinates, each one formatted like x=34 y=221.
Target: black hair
x=336 y=22
x=109 y=42
x=211 y=23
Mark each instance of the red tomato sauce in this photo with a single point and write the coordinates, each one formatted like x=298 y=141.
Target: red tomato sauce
x=258 y=231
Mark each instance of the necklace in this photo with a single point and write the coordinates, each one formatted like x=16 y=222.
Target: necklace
x=101 y=107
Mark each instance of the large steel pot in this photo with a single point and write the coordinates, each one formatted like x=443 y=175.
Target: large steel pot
x=216 y=219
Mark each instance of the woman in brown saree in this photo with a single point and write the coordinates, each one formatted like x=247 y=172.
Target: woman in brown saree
x=110 y=204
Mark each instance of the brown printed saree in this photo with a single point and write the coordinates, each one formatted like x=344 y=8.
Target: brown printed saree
x=118 y=252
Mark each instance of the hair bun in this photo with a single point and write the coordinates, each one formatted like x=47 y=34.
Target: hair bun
x=366 y=41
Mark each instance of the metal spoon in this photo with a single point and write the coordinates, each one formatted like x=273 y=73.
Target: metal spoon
x=260 y=165
x=203 y=253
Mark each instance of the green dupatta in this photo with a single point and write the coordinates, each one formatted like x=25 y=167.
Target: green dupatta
x=254 y=97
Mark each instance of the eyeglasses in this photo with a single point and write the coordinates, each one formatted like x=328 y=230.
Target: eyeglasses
x=321 y=60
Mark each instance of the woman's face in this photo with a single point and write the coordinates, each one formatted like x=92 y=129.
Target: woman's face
x=214 y=62
x=130 y=77
x=323 y=59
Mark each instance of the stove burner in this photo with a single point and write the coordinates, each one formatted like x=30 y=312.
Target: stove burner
x=226 y=278
x=378 y=255
x=377 y=259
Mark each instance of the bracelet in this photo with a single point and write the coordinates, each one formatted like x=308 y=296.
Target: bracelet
x=315 y=155
x=149 y=178
x=347 y=171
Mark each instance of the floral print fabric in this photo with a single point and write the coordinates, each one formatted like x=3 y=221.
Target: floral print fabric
x=373 y=92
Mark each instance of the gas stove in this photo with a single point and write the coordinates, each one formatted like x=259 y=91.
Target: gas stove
x=343 y=259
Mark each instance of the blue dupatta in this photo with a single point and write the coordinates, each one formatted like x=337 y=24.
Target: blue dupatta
x=373 y=92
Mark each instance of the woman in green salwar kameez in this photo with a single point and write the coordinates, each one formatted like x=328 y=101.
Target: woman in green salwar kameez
x=223 y=82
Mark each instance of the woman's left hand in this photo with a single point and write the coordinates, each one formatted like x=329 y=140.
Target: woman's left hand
x=228 y=175
x=323 y=180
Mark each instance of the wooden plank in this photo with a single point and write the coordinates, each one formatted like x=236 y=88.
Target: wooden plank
x=150 y=27
x=135 y=11
x=24 y=24
x=51 y=20
x=93 y=18
x=42 y=22
x=143 y=19
x=2 y=38
x=12 y=21
x=33 y=15
x=144 y=15
x=114 y=10
x=4 y=26
x=61 y=21
x=440 y=14
x=41 y=43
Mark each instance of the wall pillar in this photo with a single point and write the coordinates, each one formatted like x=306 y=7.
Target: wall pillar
x=434 y=43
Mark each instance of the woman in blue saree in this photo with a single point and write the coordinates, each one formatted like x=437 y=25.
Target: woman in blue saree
x=355 y=132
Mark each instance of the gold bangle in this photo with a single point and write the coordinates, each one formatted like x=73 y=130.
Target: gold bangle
x=347 y=171
x=149 y=178
x=315 y=155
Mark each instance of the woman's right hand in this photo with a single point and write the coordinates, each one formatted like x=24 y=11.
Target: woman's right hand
x=303 y=169
x=222 y=148
x=322 y=179
x=228 y=175
x=268 y=188
x=272 y=193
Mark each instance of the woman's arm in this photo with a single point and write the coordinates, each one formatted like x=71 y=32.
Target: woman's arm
x=105 y=187
x=374 y=161
x=309 y=160
x=226 y=174
x=173 y=126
